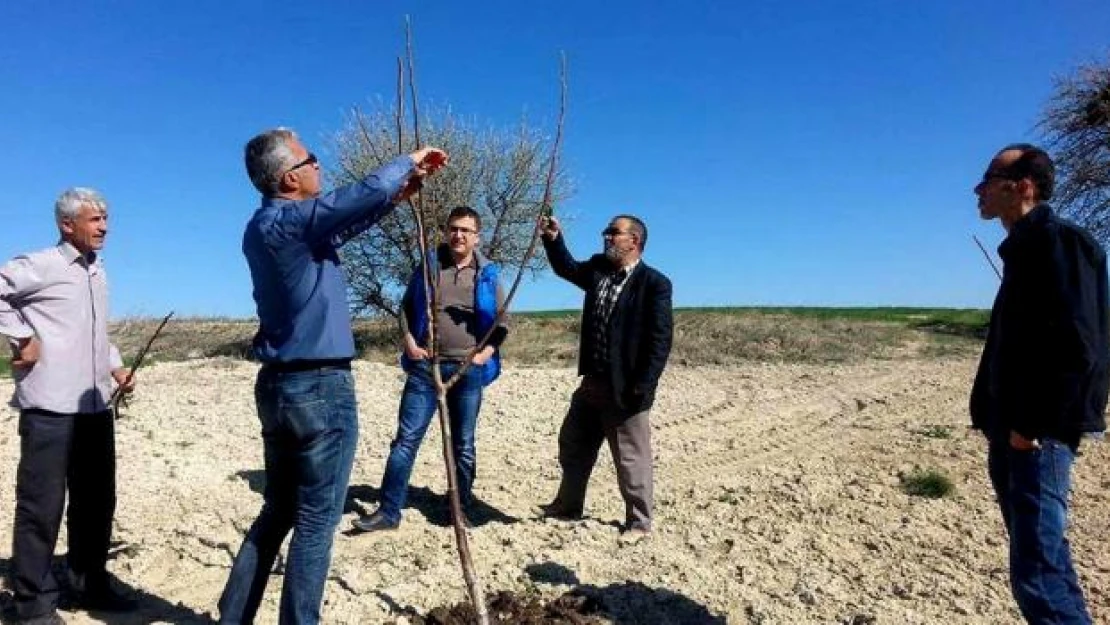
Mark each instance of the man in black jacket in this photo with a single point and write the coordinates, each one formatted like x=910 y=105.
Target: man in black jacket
x=625 y=340
x=1042 y=380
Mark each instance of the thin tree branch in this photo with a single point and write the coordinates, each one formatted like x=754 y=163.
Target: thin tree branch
x=118 y=395
x=544 y=210
x=987 y=256
x=431 y=299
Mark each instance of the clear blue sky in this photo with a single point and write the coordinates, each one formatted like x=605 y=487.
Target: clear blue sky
x=796 y=153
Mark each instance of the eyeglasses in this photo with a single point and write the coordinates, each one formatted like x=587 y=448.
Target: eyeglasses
x=994 y=175
x=309 y=160
x=460 y=230
x=612 y=232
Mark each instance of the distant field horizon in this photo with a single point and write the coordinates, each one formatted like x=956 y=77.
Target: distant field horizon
x=716 y=335
x=888 y=313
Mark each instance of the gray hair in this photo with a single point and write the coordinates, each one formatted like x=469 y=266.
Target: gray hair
x=71 y=200
x=267 y=157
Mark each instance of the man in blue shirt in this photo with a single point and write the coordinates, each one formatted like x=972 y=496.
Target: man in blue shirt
x=304 y=390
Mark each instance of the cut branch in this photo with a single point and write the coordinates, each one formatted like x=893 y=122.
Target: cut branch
x=118 y=394
x=545 y=209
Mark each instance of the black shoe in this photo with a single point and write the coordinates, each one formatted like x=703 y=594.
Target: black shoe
x=106 y=599
x=50 y=618
x=375 y=522
x=556 y=510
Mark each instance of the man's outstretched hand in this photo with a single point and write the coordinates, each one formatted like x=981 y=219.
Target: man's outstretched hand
x=426 y=161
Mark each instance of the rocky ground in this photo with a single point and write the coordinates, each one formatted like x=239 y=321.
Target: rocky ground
x=779 y=500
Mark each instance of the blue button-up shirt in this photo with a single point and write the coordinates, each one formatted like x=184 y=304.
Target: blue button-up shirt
x=299 y=288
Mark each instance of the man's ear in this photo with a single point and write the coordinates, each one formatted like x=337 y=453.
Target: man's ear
x=1027 y=189
x=289 y=182
x=66 y=226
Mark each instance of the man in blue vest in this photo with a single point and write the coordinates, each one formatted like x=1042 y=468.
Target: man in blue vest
x=468 y=297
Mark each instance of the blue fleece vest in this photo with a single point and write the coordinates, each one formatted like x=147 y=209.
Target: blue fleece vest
x=485 y=309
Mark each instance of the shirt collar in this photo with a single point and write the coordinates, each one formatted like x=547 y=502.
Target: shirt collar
x=1029 y=222
x=627 y=269
x=71 y=255
x=447 y=261
x=1038 y=215
x=272 y=201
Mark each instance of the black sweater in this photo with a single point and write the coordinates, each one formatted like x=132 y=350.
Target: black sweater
x=1044 y=368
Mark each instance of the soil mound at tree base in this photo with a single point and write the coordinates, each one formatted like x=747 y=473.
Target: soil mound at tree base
x=507 y=608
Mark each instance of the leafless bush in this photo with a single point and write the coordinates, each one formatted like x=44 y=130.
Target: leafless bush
x=500 y=173
x=1076 y=122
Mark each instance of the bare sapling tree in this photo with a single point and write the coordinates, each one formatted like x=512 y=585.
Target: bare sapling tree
x=510 y=210
x=499 y=172
x=1076 y=122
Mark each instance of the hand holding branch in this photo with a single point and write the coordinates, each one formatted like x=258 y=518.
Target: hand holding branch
x=549 y=228
x=426 y=161
x=125 y=379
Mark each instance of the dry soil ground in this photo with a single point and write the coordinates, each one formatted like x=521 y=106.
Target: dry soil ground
x=779 y=500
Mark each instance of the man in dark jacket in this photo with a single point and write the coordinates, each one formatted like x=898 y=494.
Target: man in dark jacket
x=1042 y=381
x=625 y=340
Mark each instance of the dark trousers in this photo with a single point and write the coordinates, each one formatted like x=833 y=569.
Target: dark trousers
x=60 y=451
x=594 y=417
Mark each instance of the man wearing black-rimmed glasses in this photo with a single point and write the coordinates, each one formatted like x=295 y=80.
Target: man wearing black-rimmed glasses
x=304 y=391
x=1042 y=382
x=467 y=297
x=625 y=341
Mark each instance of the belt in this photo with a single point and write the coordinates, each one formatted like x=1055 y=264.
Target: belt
x=294 y=366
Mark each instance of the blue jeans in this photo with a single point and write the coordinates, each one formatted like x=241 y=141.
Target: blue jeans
x=1032 y=489
x=418 y=406
x=309 y=432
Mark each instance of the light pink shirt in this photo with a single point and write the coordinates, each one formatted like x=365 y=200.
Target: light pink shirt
x=61 y=297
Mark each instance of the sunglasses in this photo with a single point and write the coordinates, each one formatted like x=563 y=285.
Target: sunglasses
x=612 y=232
x=994 y=175
x=309 y=160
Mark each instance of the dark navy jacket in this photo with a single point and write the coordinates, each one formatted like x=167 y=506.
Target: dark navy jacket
x=640 y=326
x=1044 y=370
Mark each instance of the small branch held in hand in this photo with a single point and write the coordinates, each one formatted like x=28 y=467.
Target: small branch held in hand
x=117 y=395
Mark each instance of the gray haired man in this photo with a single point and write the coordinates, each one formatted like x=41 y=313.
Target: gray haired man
x=54 y=314
x=304 y=392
